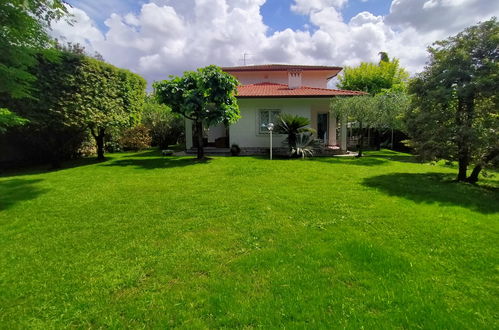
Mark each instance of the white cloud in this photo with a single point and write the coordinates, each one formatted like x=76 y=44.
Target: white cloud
x=170 y=36
x=448 y=16
x=308 y=6
x=82 y=31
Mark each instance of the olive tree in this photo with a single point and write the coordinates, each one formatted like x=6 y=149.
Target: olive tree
x=358 y=108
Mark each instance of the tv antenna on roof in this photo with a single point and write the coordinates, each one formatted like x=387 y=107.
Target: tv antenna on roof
x=244 y=58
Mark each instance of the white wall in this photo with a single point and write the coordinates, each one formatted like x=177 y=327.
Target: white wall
x=245 y=132
x=252 y=77
x=317 y=79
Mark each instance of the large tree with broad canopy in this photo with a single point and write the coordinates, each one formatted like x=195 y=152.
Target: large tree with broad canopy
x=206 y=96
x=454 y=113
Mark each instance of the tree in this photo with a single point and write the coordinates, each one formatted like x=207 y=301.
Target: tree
x=391 y=108
x=166 y=127
x=385 y=78
x=75 y=95
x=10 y=119
x=206 y=96
x=454 y=112
x=23 y=35
x=107 y=97
x=375 y=78
x=362 y=109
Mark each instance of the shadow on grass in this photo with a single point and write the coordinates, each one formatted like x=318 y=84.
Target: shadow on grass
x=46 y=168
x=156 y=162
x=362 y=161
x=145 y=153
x=437 y=188
x=14 y=191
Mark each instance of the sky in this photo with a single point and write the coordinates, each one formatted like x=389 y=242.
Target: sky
x=158 y=38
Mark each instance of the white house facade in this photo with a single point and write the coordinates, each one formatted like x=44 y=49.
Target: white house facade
x=265 y=91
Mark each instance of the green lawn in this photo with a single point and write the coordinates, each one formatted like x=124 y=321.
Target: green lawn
x=148 y=241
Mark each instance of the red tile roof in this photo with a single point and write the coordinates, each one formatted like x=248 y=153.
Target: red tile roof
x=333 y=70
x=280 y=67
x=280 y=90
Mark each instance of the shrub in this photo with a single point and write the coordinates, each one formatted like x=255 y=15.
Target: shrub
x=299 y=138
x=304 y=146
x=235 y=150
x=166 y=128
x=136 y=138
x=87 y=148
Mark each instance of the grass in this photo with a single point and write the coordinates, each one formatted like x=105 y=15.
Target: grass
x=148 y=241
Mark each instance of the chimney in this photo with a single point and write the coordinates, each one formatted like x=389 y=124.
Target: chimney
x=294 y=79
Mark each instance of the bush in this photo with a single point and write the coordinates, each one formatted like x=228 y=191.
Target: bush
x=87 y=148
x=304 y=146
x=136 y=138
x=235 y=150
x=166 y=128
x=299 y=140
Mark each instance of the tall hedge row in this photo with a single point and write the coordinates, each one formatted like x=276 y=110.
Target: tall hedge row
x=74 y=95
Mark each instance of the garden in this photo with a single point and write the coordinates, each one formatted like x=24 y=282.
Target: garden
x=104 y=224
x=146 y=240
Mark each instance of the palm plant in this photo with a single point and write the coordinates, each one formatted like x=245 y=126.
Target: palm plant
x=294 y=126
x=304 y=146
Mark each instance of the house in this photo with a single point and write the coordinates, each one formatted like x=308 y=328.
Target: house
x=265 y=91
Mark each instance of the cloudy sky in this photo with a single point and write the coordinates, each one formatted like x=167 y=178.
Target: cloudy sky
x=156 y=38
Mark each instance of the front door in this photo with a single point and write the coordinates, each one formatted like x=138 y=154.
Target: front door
x=322 y=126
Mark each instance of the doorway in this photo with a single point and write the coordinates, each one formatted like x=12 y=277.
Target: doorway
x=322 y=126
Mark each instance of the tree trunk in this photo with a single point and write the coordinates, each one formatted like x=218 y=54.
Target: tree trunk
x=99 y=140
x=463 y=167
x=464 y=119
x=361 y=139
x=473 y=178
x=378 y=140
x=199 y=136
x=392 y=139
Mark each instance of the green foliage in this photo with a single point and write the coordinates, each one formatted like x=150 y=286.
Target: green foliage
x=375 y=78
x=235 y=150
x=111 y=97
x=206 y=96
x=454 y=113
x=363 y=109
x=10 y=119
x=293 y=126
x=304 y=145
x=22 y=36
x=101 y=96
x=382 y=111
x=76 y=94
x=391 y=108
x=166 y=128
x=136 y=138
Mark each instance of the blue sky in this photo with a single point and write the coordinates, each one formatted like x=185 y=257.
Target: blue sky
x=277 y=14
x=156 y=38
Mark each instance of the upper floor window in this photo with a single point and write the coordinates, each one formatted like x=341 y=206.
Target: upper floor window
x=267 y=116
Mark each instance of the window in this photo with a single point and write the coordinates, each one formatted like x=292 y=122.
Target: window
x=267 y=116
